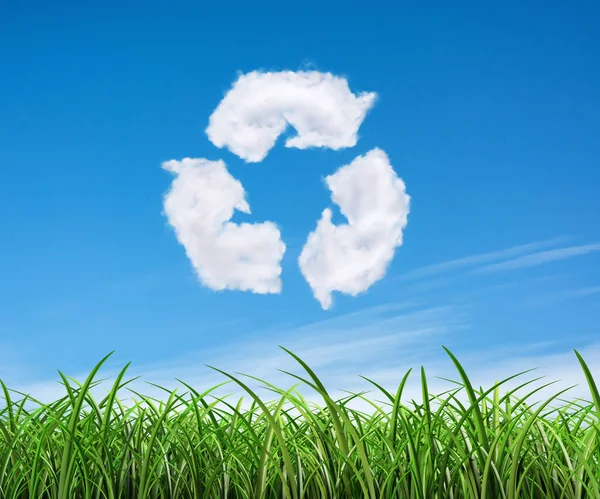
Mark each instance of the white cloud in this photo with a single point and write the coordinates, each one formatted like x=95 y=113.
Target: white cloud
x=259 y=107
x=540 y=258
x=225 y=255
x=350 y=257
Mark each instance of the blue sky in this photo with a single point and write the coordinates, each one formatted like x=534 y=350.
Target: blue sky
x=489 y=114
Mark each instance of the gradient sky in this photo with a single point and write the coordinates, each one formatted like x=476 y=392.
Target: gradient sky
x=489 y=113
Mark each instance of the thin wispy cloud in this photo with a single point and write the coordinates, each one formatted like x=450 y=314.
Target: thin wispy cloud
x=518 y=284
x=261 y=105
x=590 y=290
x=540 y=258
x=481 y=258
x=564 y=295
x=225 y=255
x=382 y=346
x=350 y=257
x=337 y=348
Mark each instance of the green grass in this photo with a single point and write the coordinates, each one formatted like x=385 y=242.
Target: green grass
x=465 y=443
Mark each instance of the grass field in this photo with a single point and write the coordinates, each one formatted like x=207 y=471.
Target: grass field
x=497 y=445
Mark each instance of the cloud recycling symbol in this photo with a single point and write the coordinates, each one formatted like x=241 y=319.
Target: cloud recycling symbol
x=324 y=112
